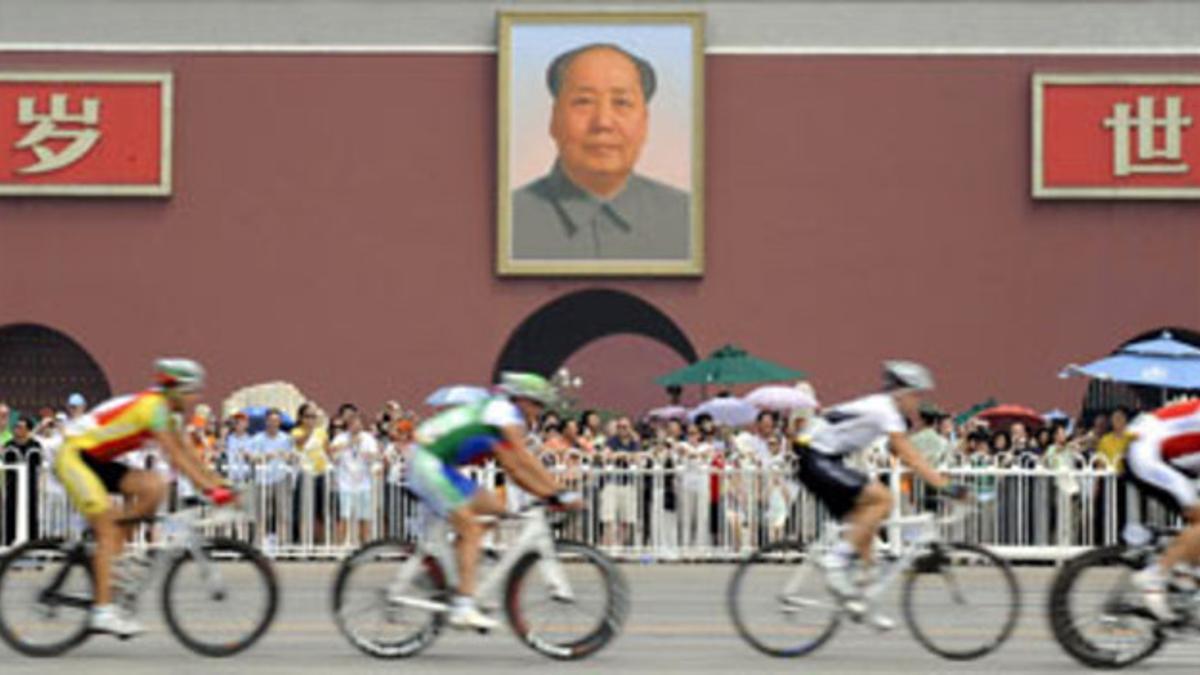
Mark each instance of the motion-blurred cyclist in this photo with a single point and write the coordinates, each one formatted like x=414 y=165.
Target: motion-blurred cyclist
x=87 y=468
x=468 y=434
x=851 y=496
x=1164 y=460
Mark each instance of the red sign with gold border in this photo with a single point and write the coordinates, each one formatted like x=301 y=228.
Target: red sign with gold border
x=1116 y=136
x=85 y=134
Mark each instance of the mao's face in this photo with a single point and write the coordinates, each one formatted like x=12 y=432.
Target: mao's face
x=599 y=119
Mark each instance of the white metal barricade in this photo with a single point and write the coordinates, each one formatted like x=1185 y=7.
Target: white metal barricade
x=656 y=509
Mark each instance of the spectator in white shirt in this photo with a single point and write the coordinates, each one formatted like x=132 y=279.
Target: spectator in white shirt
x=756 y=440
x=50 y=435
x=239 y=445
x=273 y=450
x=354 y=453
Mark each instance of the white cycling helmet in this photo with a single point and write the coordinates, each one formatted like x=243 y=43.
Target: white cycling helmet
x=906 y=375
x=179 y=374
x=529 y=386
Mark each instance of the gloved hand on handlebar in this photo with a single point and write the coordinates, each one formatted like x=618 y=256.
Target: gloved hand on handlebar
x=220 y=496
x=566 y=499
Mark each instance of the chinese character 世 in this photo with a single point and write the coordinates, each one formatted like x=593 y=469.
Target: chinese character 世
x=47 y=128
x=1173 y=124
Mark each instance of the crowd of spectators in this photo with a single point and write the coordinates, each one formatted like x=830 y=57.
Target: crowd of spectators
x=697 y=462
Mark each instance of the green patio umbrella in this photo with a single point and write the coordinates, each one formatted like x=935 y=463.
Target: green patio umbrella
x=730 y=365
x=974 y=410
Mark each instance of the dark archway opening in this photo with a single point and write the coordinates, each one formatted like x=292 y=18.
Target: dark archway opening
x=41 y=367
x=546 y=338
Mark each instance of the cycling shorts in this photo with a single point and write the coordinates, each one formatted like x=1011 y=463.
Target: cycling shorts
x=88 y=481
x=830 y=480
x=440 y=486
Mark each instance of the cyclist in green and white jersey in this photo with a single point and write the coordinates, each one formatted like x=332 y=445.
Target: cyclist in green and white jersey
x=494 y=428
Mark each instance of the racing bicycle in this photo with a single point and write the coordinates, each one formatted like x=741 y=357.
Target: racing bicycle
x=960 y=601
x=563 y=599
x=218 y=595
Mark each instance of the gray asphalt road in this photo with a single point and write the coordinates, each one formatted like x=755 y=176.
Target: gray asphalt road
x=678 y=624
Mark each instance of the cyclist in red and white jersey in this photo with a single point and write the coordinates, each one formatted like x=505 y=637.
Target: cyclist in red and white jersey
x=1164 y=459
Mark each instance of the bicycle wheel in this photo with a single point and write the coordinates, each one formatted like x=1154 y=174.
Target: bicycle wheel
x=45 y=596
x=222 y=602
x=361 y=608
x=961 y=601
x=1095 y=612
x=779 y=603
x=572 y=627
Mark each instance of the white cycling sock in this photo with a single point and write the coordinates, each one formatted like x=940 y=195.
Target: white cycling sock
x=845 y=549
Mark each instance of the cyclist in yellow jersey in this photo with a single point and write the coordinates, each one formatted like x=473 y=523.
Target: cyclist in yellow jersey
x=85 y=466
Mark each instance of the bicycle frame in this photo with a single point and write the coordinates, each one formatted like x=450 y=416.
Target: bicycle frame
x=535 y=537
x=182 y=532
x=927 y=539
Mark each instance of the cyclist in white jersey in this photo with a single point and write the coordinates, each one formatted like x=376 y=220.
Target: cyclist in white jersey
x=1164 y=461
x=850 y=495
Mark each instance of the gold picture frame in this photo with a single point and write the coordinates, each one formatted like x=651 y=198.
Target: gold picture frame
x=637 y=230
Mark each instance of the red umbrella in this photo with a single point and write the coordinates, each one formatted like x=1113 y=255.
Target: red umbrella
x=1005 y=415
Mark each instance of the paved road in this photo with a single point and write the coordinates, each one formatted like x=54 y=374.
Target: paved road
x=678 y=624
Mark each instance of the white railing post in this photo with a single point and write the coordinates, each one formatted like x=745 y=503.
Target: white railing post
x=23 y=505
x=895 y=481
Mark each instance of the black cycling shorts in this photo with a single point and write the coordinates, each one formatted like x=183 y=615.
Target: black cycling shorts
x=110 y=473
x=828 y=477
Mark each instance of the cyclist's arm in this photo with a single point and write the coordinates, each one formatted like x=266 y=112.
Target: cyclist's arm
x=522 y=466
x=902 y=448
x=177 y=452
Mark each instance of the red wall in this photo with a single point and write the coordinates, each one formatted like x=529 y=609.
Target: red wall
x=333 y=217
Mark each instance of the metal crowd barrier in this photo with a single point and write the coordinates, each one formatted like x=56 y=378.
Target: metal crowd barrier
x=652 y=511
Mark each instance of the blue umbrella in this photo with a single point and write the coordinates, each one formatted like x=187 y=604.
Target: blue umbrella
x=1056 y=415
x=457 y=395
x=1159 y=362
x=257 y=415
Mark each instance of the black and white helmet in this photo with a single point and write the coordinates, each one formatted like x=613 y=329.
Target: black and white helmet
x=906 y=375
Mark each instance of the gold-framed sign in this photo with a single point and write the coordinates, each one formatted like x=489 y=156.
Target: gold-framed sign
x=85 y=134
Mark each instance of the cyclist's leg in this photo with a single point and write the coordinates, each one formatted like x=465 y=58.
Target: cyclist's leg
x=850 y=496
x=465 y=521
x=143 y=491
x=90 y=496
x=1158 y=479
x=1186 y=547
x=458 y=499
x=872 y=507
